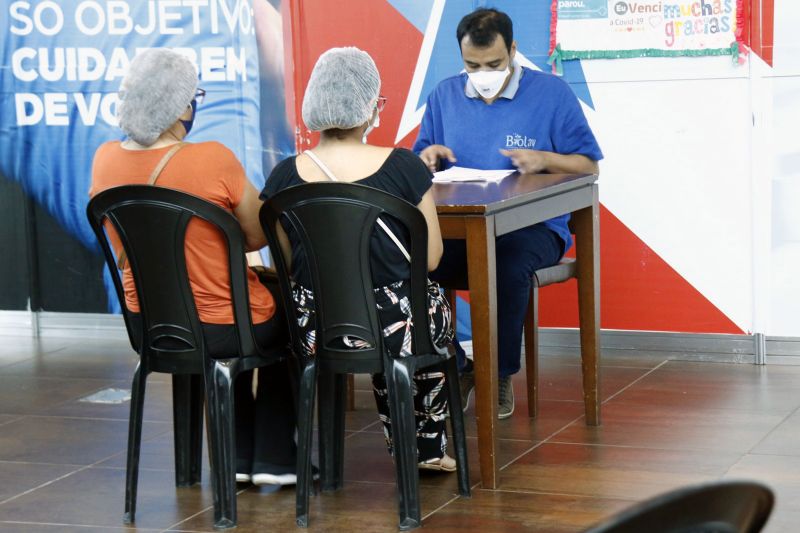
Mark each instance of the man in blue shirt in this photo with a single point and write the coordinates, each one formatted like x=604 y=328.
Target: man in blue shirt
x=497 y=114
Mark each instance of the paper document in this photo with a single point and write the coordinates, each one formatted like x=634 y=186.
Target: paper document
x=470 y=174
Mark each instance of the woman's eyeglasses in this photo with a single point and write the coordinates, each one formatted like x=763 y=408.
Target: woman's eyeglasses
x=381 y=103
x=199 y=96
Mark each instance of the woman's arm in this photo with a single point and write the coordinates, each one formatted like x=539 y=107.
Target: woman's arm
x=435 y=247
x=247 y=215
x=286 y=247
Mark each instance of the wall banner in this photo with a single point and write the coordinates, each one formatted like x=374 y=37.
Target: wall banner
x=610 y=29
x=61 y=64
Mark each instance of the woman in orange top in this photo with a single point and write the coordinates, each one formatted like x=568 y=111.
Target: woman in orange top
x=159 y=98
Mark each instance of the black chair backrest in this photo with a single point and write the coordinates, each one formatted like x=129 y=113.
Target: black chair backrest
x=151 y=223
x=720 y=507
x=335 y=223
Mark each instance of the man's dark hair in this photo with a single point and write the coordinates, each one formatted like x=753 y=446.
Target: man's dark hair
x=483 y=25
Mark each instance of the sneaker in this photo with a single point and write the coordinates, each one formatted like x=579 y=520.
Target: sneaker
x=506 y=393
x=439 y=464
x=466 y=383
x=274 y=479
x=289 y=478
x=242 y=478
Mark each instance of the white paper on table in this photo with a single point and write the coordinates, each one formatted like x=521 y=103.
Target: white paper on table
x=470 y=174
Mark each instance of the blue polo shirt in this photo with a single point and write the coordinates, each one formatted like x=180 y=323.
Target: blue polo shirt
x=537 y=111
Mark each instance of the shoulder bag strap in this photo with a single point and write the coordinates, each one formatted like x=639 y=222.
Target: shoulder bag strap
x=123 y=257
x=324 y=168
x=164 y=160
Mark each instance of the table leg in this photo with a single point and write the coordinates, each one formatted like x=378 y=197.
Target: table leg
x=586 y=224
x=483 y=310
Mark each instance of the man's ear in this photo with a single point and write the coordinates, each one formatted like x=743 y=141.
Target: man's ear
x=512 y=51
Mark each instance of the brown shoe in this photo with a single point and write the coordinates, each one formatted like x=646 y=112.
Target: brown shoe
x=439 y=464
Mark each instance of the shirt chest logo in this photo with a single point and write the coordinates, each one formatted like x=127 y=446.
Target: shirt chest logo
x=520 y=141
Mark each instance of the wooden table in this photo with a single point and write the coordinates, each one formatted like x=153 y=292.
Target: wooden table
x=481 y=211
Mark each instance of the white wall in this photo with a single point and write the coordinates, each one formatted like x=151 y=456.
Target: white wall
x=784 y=154
x=703 y=164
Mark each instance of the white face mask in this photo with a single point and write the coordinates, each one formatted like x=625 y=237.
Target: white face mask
x=372 y=125
x=488 y=82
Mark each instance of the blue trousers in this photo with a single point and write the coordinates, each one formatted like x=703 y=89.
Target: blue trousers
x=518 y=254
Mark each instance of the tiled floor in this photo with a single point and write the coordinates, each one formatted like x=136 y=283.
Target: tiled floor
x=665 y=424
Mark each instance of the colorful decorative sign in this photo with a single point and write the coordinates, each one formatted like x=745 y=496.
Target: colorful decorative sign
x=592 y=29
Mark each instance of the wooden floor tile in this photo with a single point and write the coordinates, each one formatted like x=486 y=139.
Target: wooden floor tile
x=72 y=441
x=157 y=403
x=26 y=527
x=95 y=497
x=92 y=359
x=652 y=425
x=611 y=472
x=565 y=382
x=17 y=348
x=30 y=395
x=690 y=385
x=504 y=511
x=608 y=358
x=5 y=419
x=783 y=440
x=21 y=477
x=157 y=453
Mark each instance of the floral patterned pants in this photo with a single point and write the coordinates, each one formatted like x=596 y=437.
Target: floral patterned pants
x=430 y=396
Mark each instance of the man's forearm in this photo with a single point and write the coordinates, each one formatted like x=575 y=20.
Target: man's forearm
x=570 y=164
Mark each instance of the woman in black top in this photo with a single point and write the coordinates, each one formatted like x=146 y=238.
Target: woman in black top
x=342 y=102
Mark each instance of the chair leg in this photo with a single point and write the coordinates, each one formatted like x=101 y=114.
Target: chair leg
x=187 y=421
x=401 y=409
x=305 y=423
x=330 y=408
x=457 y=426
x=532 y=351
x=351 y=392
x=196 y=431
x=134 y=443
x=340 y=403
x=219 y=379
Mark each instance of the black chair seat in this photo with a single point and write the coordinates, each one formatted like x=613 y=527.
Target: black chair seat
x=719 y=507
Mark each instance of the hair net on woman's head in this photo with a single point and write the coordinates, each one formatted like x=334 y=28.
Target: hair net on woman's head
x=342 y=91
x=159 y=86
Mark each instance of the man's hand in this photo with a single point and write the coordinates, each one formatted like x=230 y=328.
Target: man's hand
x=539 y=162
x=528 y=161
x=433 y=153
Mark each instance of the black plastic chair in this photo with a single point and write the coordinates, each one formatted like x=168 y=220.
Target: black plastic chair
x=335 y=223
x=151 y=223
x=719 y=507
